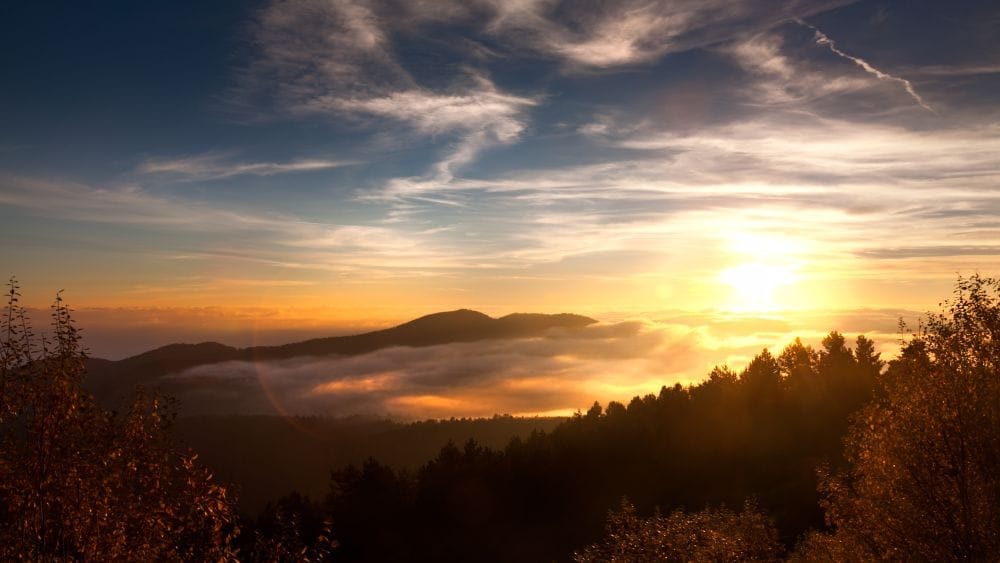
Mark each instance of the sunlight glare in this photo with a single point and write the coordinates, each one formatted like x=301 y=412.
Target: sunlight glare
x=754 y=285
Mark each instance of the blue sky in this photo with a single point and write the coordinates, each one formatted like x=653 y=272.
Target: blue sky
x=337 y=163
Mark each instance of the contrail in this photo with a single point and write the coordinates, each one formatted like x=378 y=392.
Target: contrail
x=823 y=39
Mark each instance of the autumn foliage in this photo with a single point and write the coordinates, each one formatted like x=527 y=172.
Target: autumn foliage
x=924 y=479
x=83 y=483
x=709 y=535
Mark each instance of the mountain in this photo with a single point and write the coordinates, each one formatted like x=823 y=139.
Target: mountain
x=463 y=325
x=108 y=379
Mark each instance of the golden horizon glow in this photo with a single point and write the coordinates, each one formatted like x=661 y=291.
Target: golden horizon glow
x=377 y=382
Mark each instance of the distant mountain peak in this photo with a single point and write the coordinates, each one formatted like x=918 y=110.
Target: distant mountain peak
x=447 y=327
x=571 y=318
x=458 y=315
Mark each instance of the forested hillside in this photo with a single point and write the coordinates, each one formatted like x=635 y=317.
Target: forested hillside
x=760 y=433
x=265 y=457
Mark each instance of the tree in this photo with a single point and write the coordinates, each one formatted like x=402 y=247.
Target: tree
x=722 y=376
x=924 y=481
x=762 y=381
x=869 y=361
x=798 y=363
x=292 y=529
x=709 y=535
x=835 y=357
x=79 y=482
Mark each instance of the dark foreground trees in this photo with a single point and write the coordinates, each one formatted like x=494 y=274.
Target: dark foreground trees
x=924 y=479
x=708 y=535
x=81 y=483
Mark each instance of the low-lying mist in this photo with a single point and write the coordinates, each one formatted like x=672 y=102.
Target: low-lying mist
x=555 y=374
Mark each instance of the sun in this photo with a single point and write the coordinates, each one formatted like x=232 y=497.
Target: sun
x=763 y=269
x=755 y=286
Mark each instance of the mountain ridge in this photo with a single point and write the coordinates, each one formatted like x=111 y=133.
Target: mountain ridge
x=106 y=377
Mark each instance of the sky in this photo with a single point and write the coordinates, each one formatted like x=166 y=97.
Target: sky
x=260 y=172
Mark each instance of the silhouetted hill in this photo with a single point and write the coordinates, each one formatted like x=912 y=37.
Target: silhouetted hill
x=463 y=325
x=112 y=378
x=175 y=357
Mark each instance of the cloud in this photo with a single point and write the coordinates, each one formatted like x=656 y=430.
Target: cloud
x=130 y=204
x=338 y=59
x=637 y=34
x=799 y=147
x=782 y=158
x=823 y=39
x=280 y=242
x=783 y=81
x=217 y=166
x=643 y=197
x=558 y=373
x=629 y=32
x=480 y=108
x=929 y=251
x=335 y=60
x=626 y=198
x=482 y=115
x=842 y=187
x=763 y=54
x=306 y=49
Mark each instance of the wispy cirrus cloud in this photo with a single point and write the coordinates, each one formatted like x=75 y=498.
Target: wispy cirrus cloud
x=309 y=48
x=336 y=60
x=279 y=241
x=629 y=32
x=634 y=34
x=784 y=81
x=800 y=147
x=835 y=183
x=218 y=166
x=481 y=116
x=127 y=204
x=843 y=186
x=481 y=108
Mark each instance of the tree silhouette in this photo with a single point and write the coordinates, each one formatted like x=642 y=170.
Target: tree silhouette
x=762 y=377
x=78 y=482
x=798 y=364
x=924 y=481
x=292 y=529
